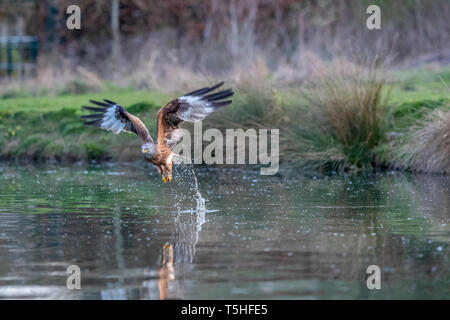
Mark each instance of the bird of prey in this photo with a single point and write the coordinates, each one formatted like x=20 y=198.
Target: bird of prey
x=191 y=107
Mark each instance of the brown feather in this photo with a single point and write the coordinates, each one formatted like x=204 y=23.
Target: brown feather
x=170 y=116
x=139 y=126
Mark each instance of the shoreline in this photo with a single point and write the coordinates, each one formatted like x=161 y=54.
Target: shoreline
x=404 y=132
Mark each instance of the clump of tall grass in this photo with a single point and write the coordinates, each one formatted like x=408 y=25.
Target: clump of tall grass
x=425 y=146
x=335 y=124
x=343 y=117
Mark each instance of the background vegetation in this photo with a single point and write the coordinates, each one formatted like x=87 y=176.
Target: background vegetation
x=345 y=97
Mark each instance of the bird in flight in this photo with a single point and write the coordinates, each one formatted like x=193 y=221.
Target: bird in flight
x=191 y=107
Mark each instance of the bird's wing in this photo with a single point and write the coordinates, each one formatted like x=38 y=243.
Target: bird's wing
x=113 y=117
x=191 y=107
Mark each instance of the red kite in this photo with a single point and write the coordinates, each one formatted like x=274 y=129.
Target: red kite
x=191 y=107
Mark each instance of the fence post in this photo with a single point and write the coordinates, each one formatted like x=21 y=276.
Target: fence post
x=34 y=47
x=9 y=66
x=1 y=69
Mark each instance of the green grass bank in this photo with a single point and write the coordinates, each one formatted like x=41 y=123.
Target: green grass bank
x=338 y=122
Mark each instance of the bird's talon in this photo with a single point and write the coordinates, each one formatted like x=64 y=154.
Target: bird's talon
x=164 y=179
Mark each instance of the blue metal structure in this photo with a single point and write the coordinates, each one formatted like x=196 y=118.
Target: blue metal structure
x=18 y=56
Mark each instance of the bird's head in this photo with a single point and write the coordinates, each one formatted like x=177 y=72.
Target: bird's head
x=148 y=149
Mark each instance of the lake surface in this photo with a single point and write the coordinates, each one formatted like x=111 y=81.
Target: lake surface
x=253 y=237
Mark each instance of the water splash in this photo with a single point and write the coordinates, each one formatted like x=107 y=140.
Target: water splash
x=201 y=206
x=191 y=209
x=190 y=200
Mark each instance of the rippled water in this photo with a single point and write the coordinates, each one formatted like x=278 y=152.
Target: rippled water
x=255 y=237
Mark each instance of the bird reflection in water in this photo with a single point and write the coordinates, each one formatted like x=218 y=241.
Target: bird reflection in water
x=179 y=250
x=167 y=271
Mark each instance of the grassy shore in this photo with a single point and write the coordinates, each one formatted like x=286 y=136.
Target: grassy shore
x=49 y=128
x=335 y=123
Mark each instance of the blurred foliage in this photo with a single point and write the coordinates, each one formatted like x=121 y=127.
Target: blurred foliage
x=409 y=27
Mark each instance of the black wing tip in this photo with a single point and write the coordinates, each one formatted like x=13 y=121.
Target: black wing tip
x=92 y=116
x=102 y=104
x=221 y=103
x=204 y=90
x=219 y=95
x=95 y=109
x=95 y=119
x=96 y=122
x=110 y=102
x=218 y=85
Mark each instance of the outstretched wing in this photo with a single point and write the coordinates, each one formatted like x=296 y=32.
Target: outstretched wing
x=113 y=117
x=191 y=107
